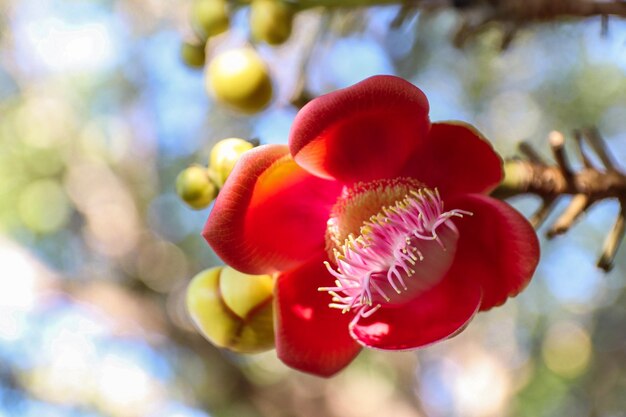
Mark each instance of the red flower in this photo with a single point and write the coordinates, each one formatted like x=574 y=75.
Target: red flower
x=376 y=213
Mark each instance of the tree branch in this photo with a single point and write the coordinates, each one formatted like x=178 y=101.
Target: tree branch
x=512 y=10
x=534 y=175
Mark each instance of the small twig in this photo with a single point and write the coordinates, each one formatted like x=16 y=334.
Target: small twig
x=403 y=15
x=301 y=96
x=557 y=143
x=578 y=205
x=509 y=31
x=469 y=28
x=612 y=242
x=597 y=144
x=530 y=153
x=581 y=150
x=604 y=22
x=547 y=205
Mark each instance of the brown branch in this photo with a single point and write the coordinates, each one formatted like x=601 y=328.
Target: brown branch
x=512 y=10
x=528 y=10
x=513 y=14
x=550 y=182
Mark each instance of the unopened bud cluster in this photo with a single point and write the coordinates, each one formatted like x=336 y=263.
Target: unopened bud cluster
x=198 y=185
x=233 y=310
x=238 y=79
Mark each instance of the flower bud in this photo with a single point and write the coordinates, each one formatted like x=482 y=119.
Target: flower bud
x=195 y=188
x=209 y=17
x=193 y=54
x=240 y=79
x=271 y=21
x=233 y=310
x=224 y=156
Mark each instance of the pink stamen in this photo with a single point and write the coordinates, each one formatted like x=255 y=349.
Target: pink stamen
x=387 y=251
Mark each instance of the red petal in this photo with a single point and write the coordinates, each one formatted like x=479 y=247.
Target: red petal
x=271 y=214
x=436 y=314
x=362 y=132
x=456 y=158
x=497 y=247
x=310 y=336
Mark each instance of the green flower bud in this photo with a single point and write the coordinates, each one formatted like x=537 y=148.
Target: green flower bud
x=240 y=79
x=224 y=156
x=233 y=310
x=193 y=54
x=210 y=17
x=271 y=21
x=195 y=188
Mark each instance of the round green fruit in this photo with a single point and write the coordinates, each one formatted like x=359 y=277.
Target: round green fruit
x=193 y=54
x=224 y=156
x=195 y=188
x=271 y=21
x=240 y=79
x=210 y=17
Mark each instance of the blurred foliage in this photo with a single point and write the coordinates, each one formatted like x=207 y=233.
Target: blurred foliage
x=98 y=115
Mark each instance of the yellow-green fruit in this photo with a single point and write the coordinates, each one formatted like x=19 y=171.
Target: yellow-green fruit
x=193 y=54
x=210 y=17
x=240 y=79
x=271 y=21
x=224 y=156
x=195 y=188
x=233 y=310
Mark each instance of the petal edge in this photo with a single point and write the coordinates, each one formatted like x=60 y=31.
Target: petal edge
x=497 y=247
x=457 y=159
x=271 y=214
x=437 y=314
x=363 y=132
x=310 y=336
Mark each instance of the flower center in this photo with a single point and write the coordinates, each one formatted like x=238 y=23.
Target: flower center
x=390 y=240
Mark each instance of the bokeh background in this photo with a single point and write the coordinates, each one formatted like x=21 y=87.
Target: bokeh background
x=98 y=115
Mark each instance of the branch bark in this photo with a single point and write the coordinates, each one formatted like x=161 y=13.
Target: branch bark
x=550 y=182
x=512 y=10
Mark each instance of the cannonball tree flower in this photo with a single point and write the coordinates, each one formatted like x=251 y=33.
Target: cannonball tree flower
x=376 y=224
